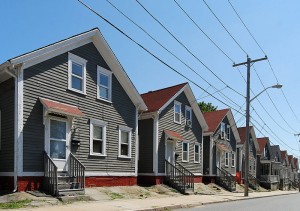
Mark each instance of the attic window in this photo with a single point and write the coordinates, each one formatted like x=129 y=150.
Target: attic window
x=177 y=112
x=188 y=116
x=77 y=73
x=228 y=132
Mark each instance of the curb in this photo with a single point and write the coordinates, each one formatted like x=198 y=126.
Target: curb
x=164 y=208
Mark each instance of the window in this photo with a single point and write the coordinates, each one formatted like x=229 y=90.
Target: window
x=222 y=130
x=177 y=112
x=232 y=159
x=125 y=142
x=197 y=153
x=228 y=132
x=185 y=152
x=188 y=116
x=97 y=137
x=77 y=73
x=254 y=165
x=104 y=84
x=226 y=159
x=251 y=144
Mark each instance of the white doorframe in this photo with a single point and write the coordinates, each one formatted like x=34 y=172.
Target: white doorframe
x=62 y=164
x=171 y=144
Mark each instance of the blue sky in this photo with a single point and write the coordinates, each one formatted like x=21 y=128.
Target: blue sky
x=27 y=25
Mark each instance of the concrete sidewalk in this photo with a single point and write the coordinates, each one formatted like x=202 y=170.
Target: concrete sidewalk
x=158 y=203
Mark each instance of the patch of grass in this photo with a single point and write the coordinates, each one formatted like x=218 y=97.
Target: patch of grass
x=15 y=204
x=114 y=196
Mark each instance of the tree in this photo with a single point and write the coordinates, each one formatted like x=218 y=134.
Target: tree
x=206 y=107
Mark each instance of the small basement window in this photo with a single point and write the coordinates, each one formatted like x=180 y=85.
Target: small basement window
x=77 y=73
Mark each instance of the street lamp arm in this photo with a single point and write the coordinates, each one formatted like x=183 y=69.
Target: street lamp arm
x=277 y=86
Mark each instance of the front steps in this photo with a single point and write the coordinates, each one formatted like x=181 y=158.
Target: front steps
x=68 y=185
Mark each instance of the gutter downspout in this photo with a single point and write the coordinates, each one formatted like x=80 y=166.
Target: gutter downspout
x=15 y=127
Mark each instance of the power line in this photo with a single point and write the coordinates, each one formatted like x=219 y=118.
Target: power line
x=225 y=27
x=153 y=55
x=191 y=53
x=225 y=97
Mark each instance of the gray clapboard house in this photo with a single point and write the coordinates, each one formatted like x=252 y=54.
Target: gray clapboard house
x=219 y=148
x=68 y=111
x=265 y=163
x=253 y=148
x=284 y=177
x=170 y=134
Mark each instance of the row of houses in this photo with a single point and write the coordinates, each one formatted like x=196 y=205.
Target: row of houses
x=71 y=118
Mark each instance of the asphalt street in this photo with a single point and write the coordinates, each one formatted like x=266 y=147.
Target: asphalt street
x=280 y=203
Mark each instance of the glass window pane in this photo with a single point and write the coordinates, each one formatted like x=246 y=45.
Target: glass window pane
x=77 y=69
x=124 y=149
x=57 y=129
x=104 y=92
x=196 y=148
x=58 y=149
x=184 y=155
x=184 y=146
x=104 y=80
x=188 y=114
x=97 y=133
x=124 y=137
x=177 y=117
x=76 y=83
x=97 y=146
x=177 y=108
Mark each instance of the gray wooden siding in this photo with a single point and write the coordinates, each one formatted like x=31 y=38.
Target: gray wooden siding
x=145 y=146
x=192 y=135
x=7 y=125
x=49 y=79
x=252 y=155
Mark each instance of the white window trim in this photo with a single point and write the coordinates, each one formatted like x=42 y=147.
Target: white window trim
x=191 y=114
x=188 y=154
x=77 y=59
x=129 y=130
x=109 y=74
x=198 y=153
x=228 y=134
x=232 y=158
x=226 y=158
x=177 y=103
x=102 y=124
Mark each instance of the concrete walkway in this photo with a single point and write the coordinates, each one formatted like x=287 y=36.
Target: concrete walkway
x=158 y=203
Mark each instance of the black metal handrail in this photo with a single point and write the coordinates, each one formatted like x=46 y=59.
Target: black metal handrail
x=50 y=174
x=293 y=184
x=179 y=178
x=77 y=171
x=253 y=182
x=225 y=179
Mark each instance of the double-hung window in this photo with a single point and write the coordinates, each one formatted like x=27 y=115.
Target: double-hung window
x=222 y=129
x=197 y=153
x=226 y=159
x=125 y=142
x=228 y=132
x=188 y=116
x=77 y=73
x=185 y=152
x=104 y=84
x=232 y=159
x=177 y=112
x=97 y=137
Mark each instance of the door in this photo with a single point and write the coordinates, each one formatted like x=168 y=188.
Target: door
x=170 y=152
x=58 y=142
x=218 y=157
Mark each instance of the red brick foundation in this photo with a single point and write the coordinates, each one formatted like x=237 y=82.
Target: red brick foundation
x=150 y=180
x=198 y=179
x=30 y=183
x=110 y=181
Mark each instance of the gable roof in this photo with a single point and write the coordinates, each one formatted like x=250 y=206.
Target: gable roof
x=214 y=119
x=94 y=35
x=276 y=150
x=242 y=133
x=291 y=157
x=284 y=156
x=158 y=100
x=262 y=142
x=296 y=163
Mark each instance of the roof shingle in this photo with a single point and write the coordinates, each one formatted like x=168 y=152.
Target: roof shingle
x=214 y=118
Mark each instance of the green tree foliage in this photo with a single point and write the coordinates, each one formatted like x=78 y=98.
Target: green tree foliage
x=206 y=107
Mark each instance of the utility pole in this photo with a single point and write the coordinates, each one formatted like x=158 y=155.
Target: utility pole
x=248 y=63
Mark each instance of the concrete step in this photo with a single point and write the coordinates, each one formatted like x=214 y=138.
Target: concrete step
x=70 y=192
x=70 y=185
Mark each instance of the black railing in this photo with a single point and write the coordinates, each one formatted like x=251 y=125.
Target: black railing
x=225 y=179
x=50 y=175
x=293 y=184
x=253 y=182
x=179 y=177
x=77 y=171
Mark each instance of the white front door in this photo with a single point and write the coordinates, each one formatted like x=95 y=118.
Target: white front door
x=170 y=152
x=58 y=142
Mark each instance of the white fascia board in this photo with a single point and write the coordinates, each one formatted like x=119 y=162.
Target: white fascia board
x=118 y=71
x=150 y=115
x=194 y=104
x=233 y=126
x=171 y=99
